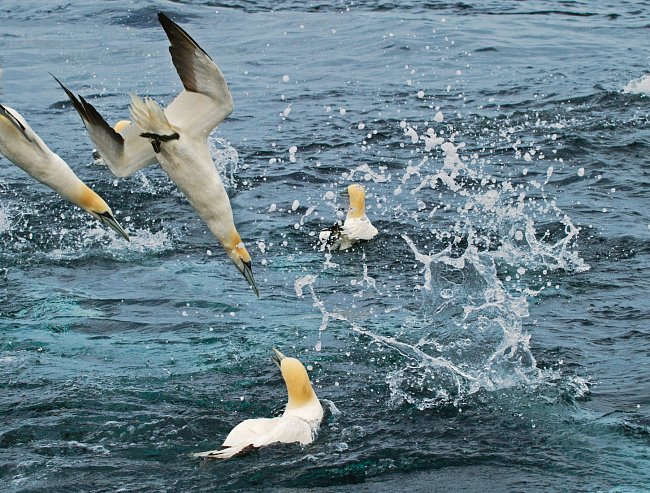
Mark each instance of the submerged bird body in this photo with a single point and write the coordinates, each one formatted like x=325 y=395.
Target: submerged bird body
x=356 y=226
x=22 y=146
x=298 y=424
x=176 y=138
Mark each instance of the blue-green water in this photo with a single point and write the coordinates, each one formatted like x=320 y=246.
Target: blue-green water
x=511 y=354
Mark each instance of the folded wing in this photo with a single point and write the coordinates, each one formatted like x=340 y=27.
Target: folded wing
x=250 y=430
x=125 y=152
x=256 y=433
x=15 y=121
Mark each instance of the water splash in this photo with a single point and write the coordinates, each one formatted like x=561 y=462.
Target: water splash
x=638 y=86
x=308 y=281
x=60 y=241
x=426 y=260
x=225 y=159
x=368 y=174
x=486 y=245
x=5 y=219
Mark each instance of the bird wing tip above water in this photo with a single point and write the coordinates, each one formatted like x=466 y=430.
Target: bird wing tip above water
x=176 y=34
x=124 y=152
x=206 y=101
x=5 y=111
x=91 y=117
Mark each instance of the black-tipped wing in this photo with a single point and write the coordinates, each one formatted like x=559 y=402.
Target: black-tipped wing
x=13 y=119
x=125 y=152
x=206 y=100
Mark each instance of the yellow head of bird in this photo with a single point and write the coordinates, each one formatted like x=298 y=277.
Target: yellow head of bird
x=240 y=257
x=121 y=125
x=357 y=201
x=295 y=377
x=91 y=202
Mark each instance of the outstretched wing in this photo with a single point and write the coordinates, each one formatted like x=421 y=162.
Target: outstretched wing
x=125 y=152
x=206 y=100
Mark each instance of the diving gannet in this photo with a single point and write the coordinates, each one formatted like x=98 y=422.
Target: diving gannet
x=298 y=424
x=177 y=138
x=118 y=127
x=356 y=227
x=22 y=146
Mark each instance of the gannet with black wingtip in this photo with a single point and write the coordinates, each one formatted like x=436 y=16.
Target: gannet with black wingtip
x=356 y=226
x=22 y=146
x=177 y=139
x=298 y=424
x=118 y=127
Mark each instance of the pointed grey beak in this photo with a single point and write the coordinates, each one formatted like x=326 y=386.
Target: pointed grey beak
x=108 y=219
x=277 y=357
x=248 y=274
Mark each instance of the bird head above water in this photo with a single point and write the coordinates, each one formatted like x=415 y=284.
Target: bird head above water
x=299 y=389
x=241 y=258
x=357 y=196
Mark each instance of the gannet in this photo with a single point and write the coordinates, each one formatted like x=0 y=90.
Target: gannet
x=298 y=424
x=356 y=226
x=22 y=146
x=177 y=139
x=118 y=127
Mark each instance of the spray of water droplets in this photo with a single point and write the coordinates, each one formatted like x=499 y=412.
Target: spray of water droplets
x=482 y=242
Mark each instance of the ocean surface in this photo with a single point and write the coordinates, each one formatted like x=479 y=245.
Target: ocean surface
x=495 y=336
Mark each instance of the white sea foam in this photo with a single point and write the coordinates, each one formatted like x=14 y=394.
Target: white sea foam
x=638 y=86
x=142 y=241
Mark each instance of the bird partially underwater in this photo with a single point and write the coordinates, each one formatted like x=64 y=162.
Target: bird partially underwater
x=298 y=424
x=177 y=138
x=22 y=146
x=356 y=227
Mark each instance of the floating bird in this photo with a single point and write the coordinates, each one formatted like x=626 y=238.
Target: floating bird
x=177 y=138
x=299 y=422
x=356 y=227
x=20 y=144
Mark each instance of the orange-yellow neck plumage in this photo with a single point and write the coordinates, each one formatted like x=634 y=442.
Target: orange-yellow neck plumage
x=357 y=201
x=90 y=201
x=296 y=378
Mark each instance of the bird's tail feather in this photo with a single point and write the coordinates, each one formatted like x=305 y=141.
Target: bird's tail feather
x=149 y=116
x=226 y=453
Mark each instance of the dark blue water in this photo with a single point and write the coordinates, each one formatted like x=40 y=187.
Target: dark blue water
x=506 y=143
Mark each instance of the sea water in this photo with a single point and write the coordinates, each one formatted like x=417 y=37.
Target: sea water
x=493 y=336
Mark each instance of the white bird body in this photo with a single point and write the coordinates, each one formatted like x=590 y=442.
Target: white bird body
x=298 y=424
x=22 y=146
x=177 y=139
x=355 y=228
x=188 y=163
